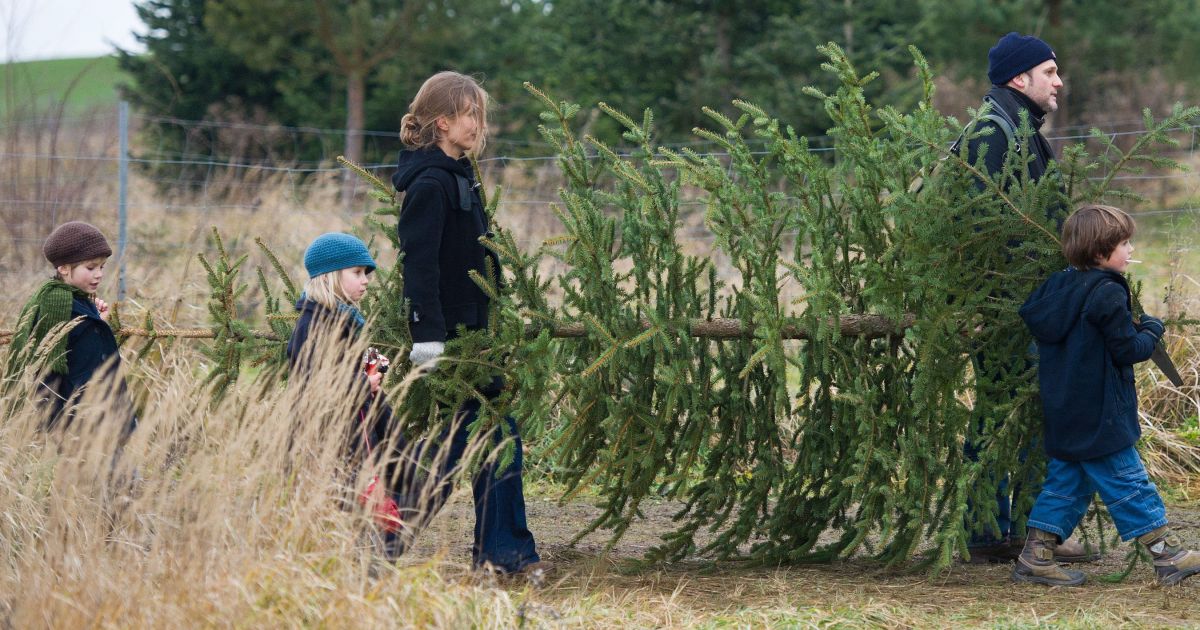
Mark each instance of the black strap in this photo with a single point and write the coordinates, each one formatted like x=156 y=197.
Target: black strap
x=464 y=192
x=997 y=117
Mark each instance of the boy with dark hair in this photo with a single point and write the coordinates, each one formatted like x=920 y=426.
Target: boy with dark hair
x=1087 y=345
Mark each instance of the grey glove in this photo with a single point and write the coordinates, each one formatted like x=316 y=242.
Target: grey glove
x=1152 y=325
x=426 y=352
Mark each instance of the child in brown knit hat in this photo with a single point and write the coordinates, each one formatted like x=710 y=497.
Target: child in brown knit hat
x=78 y=252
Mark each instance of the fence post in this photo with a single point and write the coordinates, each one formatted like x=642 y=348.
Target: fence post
x=123 y=178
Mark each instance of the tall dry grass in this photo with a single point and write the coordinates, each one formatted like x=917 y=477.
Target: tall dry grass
x=211 y=514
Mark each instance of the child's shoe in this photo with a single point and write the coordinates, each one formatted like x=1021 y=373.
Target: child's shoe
x=1070 y=551
x=1036 y=563
x=1172 y=563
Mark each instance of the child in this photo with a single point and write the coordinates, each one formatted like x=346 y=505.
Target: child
x=1087 y=345
x=441 y=221
x=88 y=353
x=339 y=268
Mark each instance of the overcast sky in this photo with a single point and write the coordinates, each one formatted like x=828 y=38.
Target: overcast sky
x=55 y=29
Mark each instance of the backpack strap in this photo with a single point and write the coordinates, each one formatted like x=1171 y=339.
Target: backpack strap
x=1002 y=120
x=464 y=192
x=996 y=116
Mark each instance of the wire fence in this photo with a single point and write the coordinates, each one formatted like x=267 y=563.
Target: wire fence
x=54 y=170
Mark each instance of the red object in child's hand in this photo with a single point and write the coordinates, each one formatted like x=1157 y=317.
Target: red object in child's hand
x=384 y=509
x=374 y=362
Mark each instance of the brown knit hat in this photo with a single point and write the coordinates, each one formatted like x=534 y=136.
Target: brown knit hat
x=73 y=242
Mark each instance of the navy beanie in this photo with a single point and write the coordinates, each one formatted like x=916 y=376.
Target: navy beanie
x=1014 y=54
x=334 y=251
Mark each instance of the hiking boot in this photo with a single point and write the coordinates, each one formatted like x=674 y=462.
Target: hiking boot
x=999 y=553
x=1036 y=563
x=1172 y=563
x=1070 y=551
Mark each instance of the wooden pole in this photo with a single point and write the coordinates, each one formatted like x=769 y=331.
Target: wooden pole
x=869 y=326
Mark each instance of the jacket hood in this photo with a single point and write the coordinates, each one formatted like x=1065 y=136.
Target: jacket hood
x=1054 y=307
x=414 y=161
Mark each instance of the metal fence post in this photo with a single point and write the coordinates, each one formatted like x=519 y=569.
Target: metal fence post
x=123 y=176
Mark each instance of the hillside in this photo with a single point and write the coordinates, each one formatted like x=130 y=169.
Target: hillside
x=84 y=84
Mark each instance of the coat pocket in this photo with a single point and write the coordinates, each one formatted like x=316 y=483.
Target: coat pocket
x=465 y=314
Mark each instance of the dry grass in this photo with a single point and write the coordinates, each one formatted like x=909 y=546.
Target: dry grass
x=212 y=518
x=213 y=514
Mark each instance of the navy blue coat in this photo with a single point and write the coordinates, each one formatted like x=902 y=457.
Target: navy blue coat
x=300 y=348
x=441 y=221
x=1087 y=345
x=90 y=347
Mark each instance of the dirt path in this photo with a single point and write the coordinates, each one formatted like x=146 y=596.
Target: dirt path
x=963 y=595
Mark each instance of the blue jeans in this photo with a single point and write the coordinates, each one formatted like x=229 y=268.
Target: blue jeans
x=1006 y=493
x=1004 y=497
x=502 y=536
x=1120 y=478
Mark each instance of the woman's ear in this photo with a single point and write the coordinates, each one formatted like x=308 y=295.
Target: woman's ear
x=442 y=123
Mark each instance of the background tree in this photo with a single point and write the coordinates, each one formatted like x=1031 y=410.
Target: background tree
x=186 y=73
x=311 y=63
x=353 y=39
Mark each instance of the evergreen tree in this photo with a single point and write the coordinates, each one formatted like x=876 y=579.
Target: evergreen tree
x=768 y=439
x=186 y=74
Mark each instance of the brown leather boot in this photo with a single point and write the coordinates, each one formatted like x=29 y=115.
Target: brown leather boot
x=1172 y=563
x=1070 y=551
x=1036 y=563
x=1074 y=550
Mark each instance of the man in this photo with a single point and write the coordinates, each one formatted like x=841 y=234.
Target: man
x=1024 y=74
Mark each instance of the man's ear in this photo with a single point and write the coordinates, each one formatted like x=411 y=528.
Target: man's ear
x=1020 y=82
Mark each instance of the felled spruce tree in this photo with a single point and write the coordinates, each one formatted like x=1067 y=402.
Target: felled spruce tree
x=235 y=345
x=773 y=443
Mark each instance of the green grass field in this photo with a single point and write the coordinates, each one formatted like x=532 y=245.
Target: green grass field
x=83 y=84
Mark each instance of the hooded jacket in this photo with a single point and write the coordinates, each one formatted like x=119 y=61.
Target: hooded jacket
x=441 y=222
x=1009 y=103
x=1087 y=345
x=315 y=322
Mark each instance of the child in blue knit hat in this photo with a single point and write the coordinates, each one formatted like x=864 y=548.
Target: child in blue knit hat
x=339 y=269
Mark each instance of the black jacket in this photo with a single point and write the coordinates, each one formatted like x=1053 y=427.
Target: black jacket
x=1087 y=345
x=92 y=356
x=376 y=417
x=441 y=221
x=1009 y=103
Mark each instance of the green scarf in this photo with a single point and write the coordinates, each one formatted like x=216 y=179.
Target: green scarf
x=48 y=307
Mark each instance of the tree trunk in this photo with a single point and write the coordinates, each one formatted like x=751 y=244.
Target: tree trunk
x=848 y=27
x=724 y=55
x=355 y=119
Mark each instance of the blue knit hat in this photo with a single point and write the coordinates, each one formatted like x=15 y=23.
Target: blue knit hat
x=1014 y=54
x=333 y=251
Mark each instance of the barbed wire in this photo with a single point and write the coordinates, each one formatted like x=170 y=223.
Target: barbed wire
x=214 y=183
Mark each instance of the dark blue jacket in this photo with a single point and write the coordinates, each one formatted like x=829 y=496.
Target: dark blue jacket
x=441 y=221
x=1087 y=345
x=91 y=356
x=300 y=348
